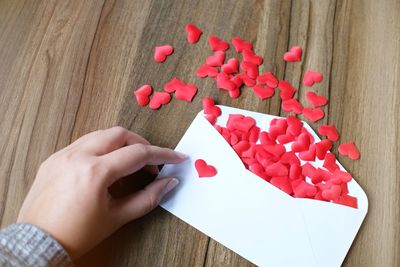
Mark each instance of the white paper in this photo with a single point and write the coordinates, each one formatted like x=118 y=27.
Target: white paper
x=249 y=215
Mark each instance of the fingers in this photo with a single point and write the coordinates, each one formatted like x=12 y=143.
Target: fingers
x=129 y=159
x=105 y=141
x=144 y=201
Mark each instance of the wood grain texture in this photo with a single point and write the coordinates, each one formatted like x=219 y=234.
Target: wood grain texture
x=69 y=67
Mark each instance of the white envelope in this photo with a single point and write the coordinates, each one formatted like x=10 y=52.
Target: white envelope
x=249 y=215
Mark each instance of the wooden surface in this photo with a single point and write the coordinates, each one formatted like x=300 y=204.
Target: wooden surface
x=69 y=67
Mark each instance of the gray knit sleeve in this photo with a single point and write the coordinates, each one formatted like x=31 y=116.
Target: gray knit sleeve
x=27 y=245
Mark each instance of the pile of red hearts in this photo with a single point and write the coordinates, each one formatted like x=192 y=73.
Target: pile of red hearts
x=282 y=156
x=269 y=158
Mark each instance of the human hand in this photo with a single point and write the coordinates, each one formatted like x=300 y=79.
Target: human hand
x=69 y=198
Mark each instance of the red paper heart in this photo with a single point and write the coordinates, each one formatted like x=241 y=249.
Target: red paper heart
x=232 y=66
x=210 y=108
x=322 y=147
x=332 y=193
x=268 y=79
x=294 y=54
x=250 y=56
x=287 y=90
x=203 y=169
x=304 y=190
x=329 y=131
x=263 y=92
x=347 y=201
x=277 y=169
x=250 y=68
x=161 y=53
x=308 y=155
x=217 y=59
x=193 y=33
x=302 y=143
x=294 y=171
x=142 y=95
x=206 y=71
x=283 y=183
x=158 y=99
x=241 y=45
x=330 y=162
x=350 y=150
x=224 y=82
x=246 y=79
x=237 y=80
x=313 y=114
x=292 y=105
x=235 y=93
x=286 y=138
x=241 y=123
x=312 y=77
x=173 y=85
x=294 y=126
x=316 y=100
x=186 y=93
x=217 y=44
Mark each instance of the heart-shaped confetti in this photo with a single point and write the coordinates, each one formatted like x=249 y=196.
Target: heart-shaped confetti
x=268 y=79
x=294 y=54
x=350 y=150
x=250 y=56
x=224 y=82
x=302 y=143
x=329 y=131
x=313 y=114
x=142 y=95
x=203 y=169
x=232 y=66
x=173 y=85
x=217 y=59
x=206 y=71
x=287 y=90
x=292 y=105
x=186 y=93
x=250 y=68
x=241 y=45
x=217 y=44
x=316 y=100
x=312 y=77
x=263 y=92
x=158 y=99
x=193 y=33
x=161 y=53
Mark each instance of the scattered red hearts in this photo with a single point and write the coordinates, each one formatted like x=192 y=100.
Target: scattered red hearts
x=249 y=56
x=142 y=95
x=241 y=45
x=183 y=91
x=292 y=105
x=350 y=150
x=329 y=131
x=294 y=54
x=232 y=66
x=206 y=71
x=312 y=77
x=287 y=90
x=217 y=59
x=203 y=169
x=268 y=79
x=161 y=53
x=158 y=99
x=193 y=33
x=313 y=114
x=263 y=92
x=316 y=100
x=217 y=44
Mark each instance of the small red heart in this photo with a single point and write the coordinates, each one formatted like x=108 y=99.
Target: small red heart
x=304 y=190
x=235 y=93
x=290 y=158
x=263 y=92
x=268 y=79
x=322 y=148
x=277 y=128
x=193 y=33
x=292 y=105
x=302 y=143
x=217 y=44
x=241 y=45
x=250 y=56
x=206 y=71
x=343 y=176
x=347 y=201
x=174 y=85
x=276 y=150
x=224 y=82
x=294 y=171
x=241 y=123
x=246 y=79
x=211 y=118
x=237 y=80
x=161 y=53
x=330 y=162
x=250 y=68
x=350 y=150
x=287 y=90
x=231 y=66
x=203 y=169
x=294 y=125
x=332 y=193
x=159 y=99
x=277 y=169
x=254 y=134
x=265 y=139
x=312 y=77
x=313 y=114
x=186 y=93
x=316 y=100
x=308 y=170
x=286 y=138
x=142 y=95
x=283 y=183
x=294 y=54
x=308 y=155
x=217 y=59
x=241 y=147
x=210 y=108
x=329 y=131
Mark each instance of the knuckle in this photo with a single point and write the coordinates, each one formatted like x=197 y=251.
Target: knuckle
x=152 y=202
x=119 y=131
x=91 y=169
x=142 y=149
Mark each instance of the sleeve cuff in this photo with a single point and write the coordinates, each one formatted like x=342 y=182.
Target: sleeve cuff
x=27 y=245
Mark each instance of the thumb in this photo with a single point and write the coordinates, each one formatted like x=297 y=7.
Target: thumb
x=145 y=200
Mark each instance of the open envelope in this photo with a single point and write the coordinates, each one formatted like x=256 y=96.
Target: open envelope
x=249 y=215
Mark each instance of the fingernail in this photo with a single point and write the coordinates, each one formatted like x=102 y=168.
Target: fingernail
x=170 y=185
x=181 y=155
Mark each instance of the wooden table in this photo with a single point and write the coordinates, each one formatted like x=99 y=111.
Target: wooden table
x=70 y=67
